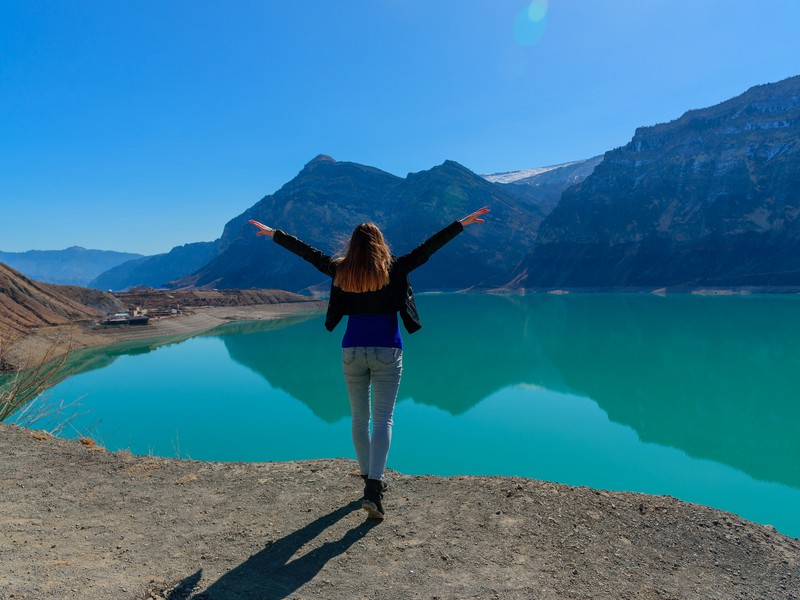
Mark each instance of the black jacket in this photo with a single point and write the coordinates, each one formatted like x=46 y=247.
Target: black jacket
x=396 y=296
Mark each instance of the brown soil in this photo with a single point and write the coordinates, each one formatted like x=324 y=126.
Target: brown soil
x=79 y=522
x=25 y=303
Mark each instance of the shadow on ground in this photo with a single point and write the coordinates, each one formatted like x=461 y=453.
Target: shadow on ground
x=271 y=573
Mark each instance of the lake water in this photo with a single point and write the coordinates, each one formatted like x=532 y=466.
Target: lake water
x=694 y=397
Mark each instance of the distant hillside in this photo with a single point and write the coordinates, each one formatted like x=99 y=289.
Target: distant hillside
x=72 y=266
x=95 y=300
x=710 y=199
x=25 y=303
x=328 y=198
x=157 y=271
x=568 y=173
x=526 y=174
x=549 y=183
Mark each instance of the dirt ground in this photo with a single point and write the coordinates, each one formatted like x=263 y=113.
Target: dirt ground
x=77 y=521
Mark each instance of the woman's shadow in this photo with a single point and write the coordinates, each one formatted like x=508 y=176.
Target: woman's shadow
x=271 y=574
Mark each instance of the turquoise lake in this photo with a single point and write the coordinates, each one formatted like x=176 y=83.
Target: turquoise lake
x=694 y=397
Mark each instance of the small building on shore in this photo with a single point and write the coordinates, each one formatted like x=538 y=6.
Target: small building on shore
x=119 y=319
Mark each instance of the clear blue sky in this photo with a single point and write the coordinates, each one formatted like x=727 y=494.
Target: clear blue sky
x=138 y=125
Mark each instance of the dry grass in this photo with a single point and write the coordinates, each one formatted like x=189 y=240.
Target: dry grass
x=89 y=443
x=23 y=398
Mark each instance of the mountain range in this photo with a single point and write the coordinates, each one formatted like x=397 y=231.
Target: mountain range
x=328 y=198
x=72 y=266
x=711 y=199
x=323 y=203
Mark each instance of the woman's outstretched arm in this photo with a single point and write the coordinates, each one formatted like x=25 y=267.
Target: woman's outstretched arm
x=420 y=255
x=324 y=263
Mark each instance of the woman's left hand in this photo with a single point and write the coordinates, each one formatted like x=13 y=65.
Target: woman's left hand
x=475 y=217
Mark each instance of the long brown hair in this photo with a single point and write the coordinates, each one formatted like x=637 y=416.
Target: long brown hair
x=365 y=266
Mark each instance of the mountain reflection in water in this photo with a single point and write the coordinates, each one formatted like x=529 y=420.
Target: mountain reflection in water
x=690 y=396
x=714 y=377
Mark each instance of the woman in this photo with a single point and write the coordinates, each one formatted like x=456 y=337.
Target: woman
x=371 y=286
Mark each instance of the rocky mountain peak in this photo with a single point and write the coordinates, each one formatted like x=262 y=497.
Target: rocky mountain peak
x=449 y=172
x=320 y=158
x=451 y=167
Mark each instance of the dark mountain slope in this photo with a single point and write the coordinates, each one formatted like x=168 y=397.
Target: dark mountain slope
x=710 y=199
x=484 y=254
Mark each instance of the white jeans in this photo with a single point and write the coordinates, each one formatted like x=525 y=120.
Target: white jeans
x=381 y=368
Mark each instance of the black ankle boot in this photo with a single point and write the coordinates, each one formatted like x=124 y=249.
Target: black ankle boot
x=385 y=486
x=373 y=495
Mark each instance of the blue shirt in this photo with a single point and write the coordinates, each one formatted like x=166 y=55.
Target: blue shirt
x=381 y=330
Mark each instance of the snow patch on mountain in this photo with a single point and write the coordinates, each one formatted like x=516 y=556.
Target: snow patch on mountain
x=512 y=176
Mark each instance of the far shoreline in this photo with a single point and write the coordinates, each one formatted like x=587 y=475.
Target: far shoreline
x=55 y=341
x=657 y=291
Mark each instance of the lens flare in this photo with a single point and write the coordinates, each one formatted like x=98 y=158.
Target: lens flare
x=537 y=11
x=530 y=23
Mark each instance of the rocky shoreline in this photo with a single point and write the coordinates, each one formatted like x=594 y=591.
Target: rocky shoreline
x=80 y=522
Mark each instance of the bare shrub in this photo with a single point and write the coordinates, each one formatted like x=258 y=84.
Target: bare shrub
x=23 y=397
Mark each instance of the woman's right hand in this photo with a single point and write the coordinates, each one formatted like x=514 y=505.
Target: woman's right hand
x=262 y=229
x=475 y=217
